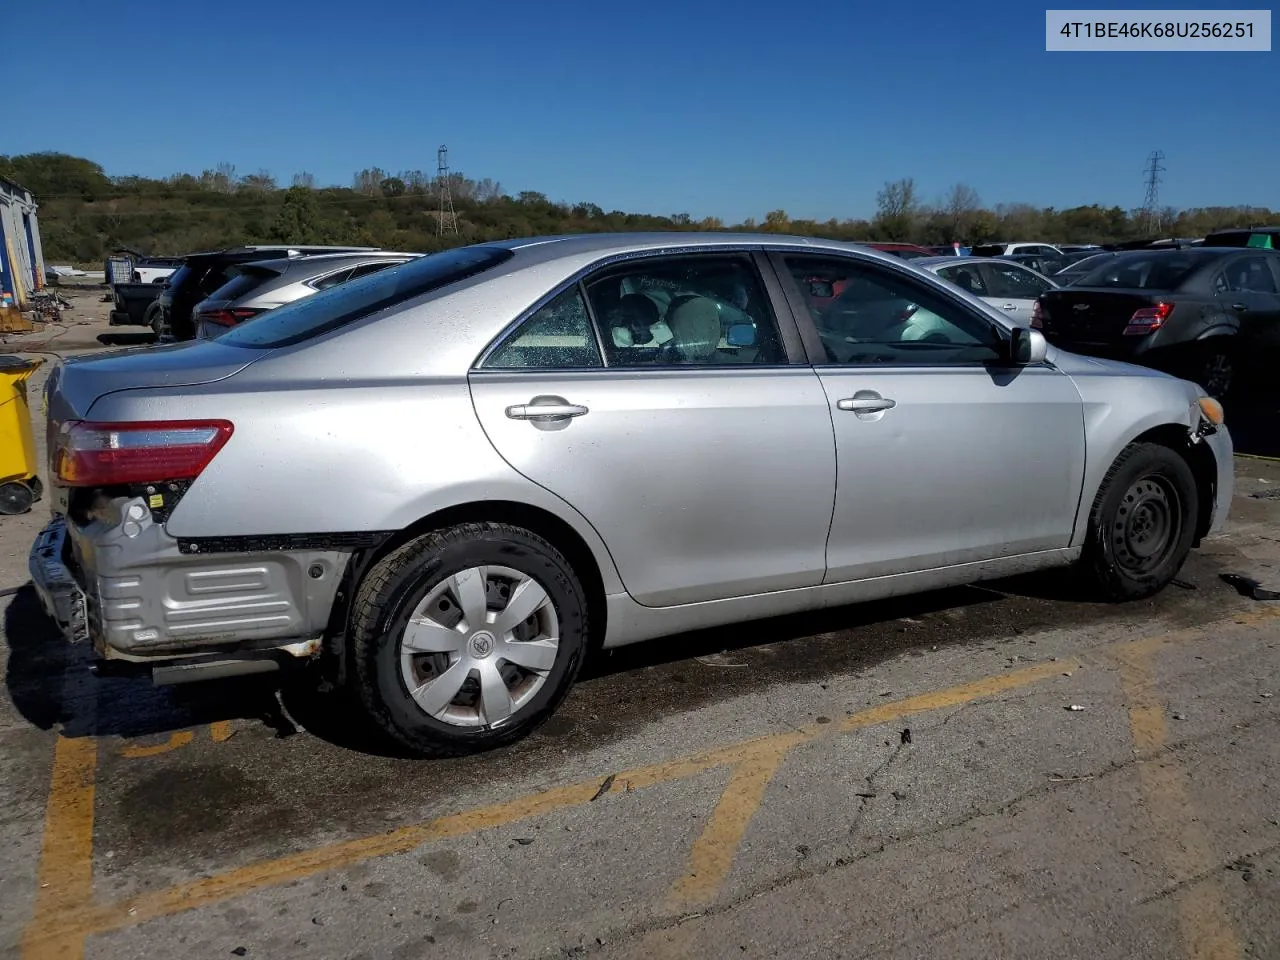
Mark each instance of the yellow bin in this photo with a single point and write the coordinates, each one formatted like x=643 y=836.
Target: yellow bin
x=19 y=485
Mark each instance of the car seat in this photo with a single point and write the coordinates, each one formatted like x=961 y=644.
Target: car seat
x=631 y=322
x=695 y=330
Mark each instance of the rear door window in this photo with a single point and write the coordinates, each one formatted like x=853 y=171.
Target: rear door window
x=1012 y=281
x=338 y=306
x=966 y=276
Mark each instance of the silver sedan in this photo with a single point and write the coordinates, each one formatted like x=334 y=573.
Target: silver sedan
x=1009 y=286
x=446 y=482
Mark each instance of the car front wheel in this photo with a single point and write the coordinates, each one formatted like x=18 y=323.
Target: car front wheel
x=468 y=638
x=1142 y=523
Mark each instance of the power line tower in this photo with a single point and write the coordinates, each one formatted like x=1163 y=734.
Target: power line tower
x=446 y=220
x=1155 y=167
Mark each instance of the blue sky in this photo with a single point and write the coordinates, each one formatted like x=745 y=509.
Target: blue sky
x=725 y=109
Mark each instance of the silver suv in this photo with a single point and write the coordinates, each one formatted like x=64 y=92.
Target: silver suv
x=447 y=481
x=253 y=288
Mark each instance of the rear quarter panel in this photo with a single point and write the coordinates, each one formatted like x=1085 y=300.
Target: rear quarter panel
x=361 y=455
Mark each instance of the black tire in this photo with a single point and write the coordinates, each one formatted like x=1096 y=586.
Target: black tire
x=1142 y=523
x=1213 y=365
x=395 y=585
x=15 y=498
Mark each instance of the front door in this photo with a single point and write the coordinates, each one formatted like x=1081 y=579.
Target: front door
x=1013 y=289
x=676 y=423
x=945 y=454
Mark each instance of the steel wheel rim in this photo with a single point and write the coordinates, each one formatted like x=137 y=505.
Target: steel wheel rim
x=1217 y=373
x=479 y=646
x=1147 y=526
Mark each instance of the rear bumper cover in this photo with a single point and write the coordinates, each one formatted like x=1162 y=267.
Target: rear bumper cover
x=135 y=595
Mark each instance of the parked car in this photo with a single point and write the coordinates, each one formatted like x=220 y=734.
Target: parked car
x=1009 y=286
x=1076 y=269
x=203 y=273
x=1197 y=312
x=447 y=481
x=1008 y=249
x=133 y=302
x=1044 y=264
x=1266 y=238
x=907 y=251
x=155 y=269
x=265 y=284
x=1078 y=247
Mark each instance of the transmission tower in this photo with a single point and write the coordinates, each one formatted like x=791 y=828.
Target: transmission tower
x=1155 y=167
x=447 y=220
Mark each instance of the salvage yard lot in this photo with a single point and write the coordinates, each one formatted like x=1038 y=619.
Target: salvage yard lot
x=899 y=779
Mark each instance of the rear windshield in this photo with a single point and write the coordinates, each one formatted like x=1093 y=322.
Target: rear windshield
x=988 y=250
x=243 y=280
x=179 y=277
x=347 y=302
x=1244 y=238
x=1141 y=271
x=908 y=254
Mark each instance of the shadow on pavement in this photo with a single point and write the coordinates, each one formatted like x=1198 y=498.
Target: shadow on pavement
x=126 y=339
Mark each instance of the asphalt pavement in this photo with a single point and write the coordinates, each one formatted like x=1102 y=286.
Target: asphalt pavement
x=1007 y=770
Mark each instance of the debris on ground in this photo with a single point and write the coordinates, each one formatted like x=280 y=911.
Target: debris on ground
x=1184 y=584
x=906 y=735
x=1075 y=708
x=720 y=659
x=1248 y=587
x=604 y=787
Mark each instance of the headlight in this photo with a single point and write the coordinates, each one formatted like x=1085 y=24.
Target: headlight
x=1211 y=410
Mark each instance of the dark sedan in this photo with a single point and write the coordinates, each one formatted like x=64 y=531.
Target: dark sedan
x=1198 y=312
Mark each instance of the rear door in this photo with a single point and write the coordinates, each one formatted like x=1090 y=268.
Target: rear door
x=1250 y=286
x=1013 y=288
x=944 y=454
x=663 y=400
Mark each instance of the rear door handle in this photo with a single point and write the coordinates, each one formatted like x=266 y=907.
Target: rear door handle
x=1239 y=306
x=545 y=408
x=1010 y=306
x=866 y=404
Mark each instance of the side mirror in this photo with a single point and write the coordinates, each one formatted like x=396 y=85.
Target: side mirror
x=1027 y=346
x=741 y=335
x=821 y=289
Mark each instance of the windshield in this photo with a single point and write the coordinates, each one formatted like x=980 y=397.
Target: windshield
x=347 y=302
x=1141 y=271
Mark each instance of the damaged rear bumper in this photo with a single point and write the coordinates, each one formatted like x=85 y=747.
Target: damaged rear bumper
x=129 y=589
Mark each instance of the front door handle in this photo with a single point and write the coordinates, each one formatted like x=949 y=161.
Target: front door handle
x=545 y=408
x=866 y=404
x=1239 y=306
x=1010 y=306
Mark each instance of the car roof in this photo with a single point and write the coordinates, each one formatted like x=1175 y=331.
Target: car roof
x=323 y=260
x=549 y=248
x=945 y=260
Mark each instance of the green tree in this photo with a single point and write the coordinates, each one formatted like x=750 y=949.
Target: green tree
x=298 y=219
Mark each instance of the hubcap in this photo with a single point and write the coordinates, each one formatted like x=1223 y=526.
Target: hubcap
x=479 y=646
x=1147 y=525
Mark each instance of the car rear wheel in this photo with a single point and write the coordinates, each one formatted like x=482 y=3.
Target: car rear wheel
x=467 y=638
x=1142 y=523
x=1213 y=367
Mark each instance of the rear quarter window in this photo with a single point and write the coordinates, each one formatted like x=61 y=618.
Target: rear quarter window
x=338 y=306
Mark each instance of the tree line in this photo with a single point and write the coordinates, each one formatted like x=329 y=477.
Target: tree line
x=86 y=214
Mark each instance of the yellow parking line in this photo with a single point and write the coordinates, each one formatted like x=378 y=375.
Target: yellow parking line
x=66 y=856
x=1203 y=919
x=179 y=738
x=220 y=731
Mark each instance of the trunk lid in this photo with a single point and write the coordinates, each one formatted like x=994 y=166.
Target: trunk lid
x=1091 y=315
x=79 y=382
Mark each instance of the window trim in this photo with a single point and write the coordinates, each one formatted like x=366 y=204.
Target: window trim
x=935 y=284
x=790 y=335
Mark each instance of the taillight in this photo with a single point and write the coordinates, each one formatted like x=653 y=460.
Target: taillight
x=90 y=454
x=1148 y=319
x=229 y=318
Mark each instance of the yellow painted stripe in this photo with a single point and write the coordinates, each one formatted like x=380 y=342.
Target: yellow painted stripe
x=1175 y=826
x=179 y=738
x=714 y=851
x=66 y=856
x=220 y=731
